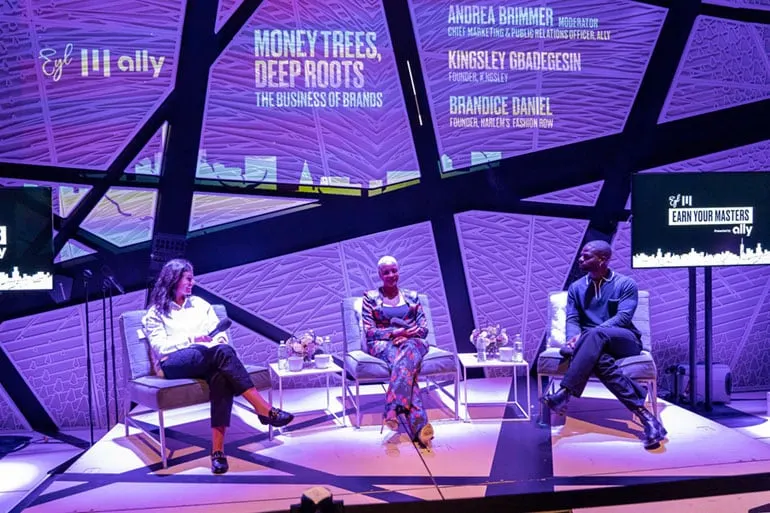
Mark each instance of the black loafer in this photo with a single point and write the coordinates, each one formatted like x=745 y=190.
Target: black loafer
x=276 y=418
x=219 y=463
x=557 y=401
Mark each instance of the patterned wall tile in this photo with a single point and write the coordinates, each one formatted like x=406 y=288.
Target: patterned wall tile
x=585 y=194
x=82 y=113
x=49 y=351
x=226 y=9
x=512 y=262
x=744 y=4
x=149 y=158
x=209 y=209
x=123 y=216
x=724 y=64
x=345 y=144
x=10 y=417
x=739 y=314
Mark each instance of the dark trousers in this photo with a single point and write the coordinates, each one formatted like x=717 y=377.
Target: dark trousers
x=595 y=353
x=222 y=370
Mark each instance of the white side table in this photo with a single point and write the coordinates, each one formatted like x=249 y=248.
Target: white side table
x=333 y=368
x=470 y=361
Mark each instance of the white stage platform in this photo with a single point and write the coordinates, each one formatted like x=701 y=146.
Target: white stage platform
x=597 y=445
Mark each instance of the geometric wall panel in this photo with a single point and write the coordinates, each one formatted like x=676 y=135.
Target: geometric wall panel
x=149 y=158
x=48 y=349
x=10 y=417
x=740 y=315
x=225 y=10
x=752 y=157
x=64 y=197
x=212 y=209
x=76 y=91
x=123 y=216
x=512 y=262
x=303 y=290
x=72 y=249
x=500 y=87
x=763 y=5
x=724 y=64
x=583 y=195
x=338 y=118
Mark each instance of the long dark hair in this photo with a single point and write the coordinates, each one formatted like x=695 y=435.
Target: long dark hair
x=163 y=292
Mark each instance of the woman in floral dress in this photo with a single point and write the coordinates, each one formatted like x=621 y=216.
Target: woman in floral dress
x=395 y=327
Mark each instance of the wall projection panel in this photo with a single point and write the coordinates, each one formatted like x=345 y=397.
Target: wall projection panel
x=511 y=263
x=10 y=417
x=725 y=64
x=82 y=76
x=308 y=92
x=506 y=78
x=745 y=4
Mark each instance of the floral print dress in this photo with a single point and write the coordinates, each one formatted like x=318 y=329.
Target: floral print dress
x=405 y=360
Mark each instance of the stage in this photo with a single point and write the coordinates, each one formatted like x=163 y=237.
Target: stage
x=596 y=445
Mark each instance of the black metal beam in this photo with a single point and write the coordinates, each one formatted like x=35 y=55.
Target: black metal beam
x=113 y=175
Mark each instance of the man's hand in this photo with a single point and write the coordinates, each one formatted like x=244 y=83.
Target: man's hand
x=201 y=339
x=568 y=349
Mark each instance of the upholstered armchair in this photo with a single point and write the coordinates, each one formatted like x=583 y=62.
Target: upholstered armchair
x=159 y=394
x=360 y=367
x=640 y=368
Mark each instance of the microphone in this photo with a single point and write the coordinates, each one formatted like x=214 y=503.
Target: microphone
x=222 y=325
x=87 y=274
x=109 y=277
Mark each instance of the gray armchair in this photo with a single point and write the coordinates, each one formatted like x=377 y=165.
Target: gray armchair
x=159 y=394
x=640 y=368
x=360 y=367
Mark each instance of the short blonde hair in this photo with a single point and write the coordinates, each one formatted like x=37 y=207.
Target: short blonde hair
x=387 y=260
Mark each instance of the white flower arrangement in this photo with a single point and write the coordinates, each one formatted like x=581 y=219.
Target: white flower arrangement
x=307 y=344
x=491 y=339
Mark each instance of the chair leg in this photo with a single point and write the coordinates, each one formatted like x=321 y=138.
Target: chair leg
x=358 y=405
x=126 y=412
x=162 y=433
x=270 y=401
x=457 y=393
x=653 y=393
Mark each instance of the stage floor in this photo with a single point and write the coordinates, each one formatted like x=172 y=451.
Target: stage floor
x=597 y=445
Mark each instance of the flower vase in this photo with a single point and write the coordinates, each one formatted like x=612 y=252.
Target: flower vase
x=493 y=351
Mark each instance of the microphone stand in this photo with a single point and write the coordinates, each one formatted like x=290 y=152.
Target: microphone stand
x=105 y=288
x=114 y=371
x=86 y=276
x=108 y=284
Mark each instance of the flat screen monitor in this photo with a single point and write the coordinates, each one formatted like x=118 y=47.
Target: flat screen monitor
x=26 y=239
x=693 y=219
